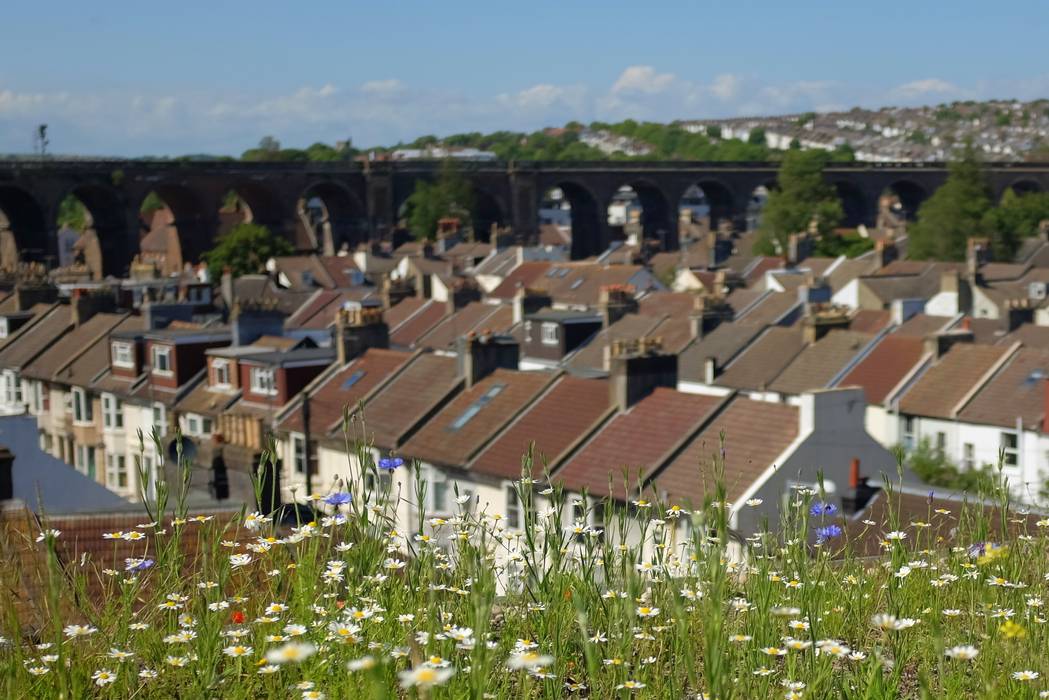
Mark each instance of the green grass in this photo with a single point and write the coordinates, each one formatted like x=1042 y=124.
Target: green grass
x=590 y=614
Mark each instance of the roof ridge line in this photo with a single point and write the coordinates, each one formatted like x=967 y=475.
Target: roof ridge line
x=985 y=377
x=675 y=449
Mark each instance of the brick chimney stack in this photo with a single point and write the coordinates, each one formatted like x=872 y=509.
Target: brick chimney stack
x=359 y=326
x=636 y=368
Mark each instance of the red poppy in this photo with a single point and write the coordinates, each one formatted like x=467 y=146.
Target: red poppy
x=237 y=617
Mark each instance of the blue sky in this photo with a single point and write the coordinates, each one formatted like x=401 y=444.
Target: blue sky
x=123 y=78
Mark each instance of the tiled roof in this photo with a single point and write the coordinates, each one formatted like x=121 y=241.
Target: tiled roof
x=770 y=309
x=500 y=264
x=415 y=393
x=581 y=284
x=762 y=361
x=64 y=349
x=562 y=416
x=870 y=320
x=641 y=438
x=206 y=401
x=884 y=367
x=403 y=310
x=526 y=275
x=756 y=433
x=667 y=303
x=740 y=299
x=921 y=325
x=455 y=435
x=407 y=334
x=723 y=343
x=817 y=364
x=1017 y=390
x=35 y=337
x=846 y=271
x=87 y=366
x=475 y=316
x=631 y=327
x=1029 y=334
x=947 y=382
x=344 y=389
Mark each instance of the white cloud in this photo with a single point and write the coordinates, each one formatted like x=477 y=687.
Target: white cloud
x=726 y=86
x=382 y=87
x=643 y=79
x=155 y=121
x=930 y=88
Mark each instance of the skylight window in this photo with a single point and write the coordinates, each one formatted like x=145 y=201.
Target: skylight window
x=476 y=407
x=577 y=284
x=1036 y=375
x=352 y=379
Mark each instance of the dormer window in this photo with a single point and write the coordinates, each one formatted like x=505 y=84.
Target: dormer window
x=263 y=381
x=549 y=331
x=162 y=360
x=123 y=355
x=220 y=373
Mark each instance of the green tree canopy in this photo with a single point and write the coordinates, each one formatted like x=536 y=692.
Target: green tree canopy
x=1015 y=218
x=801 y=196
x=245 y=250
x=449 y=195
x=72 y=214
x=953 y=214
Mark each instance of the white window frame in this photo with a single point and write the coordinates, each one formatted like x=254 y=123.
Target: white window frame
x=299 y=458
x=969 y=455
x=1010 y=452
x=83 y=411
x=116 y=471
x=119 y=348
x=513 y=506
x=263 y=381
x=160 y=418
x=155 y=355
x=221 y=365
x=112 y=412
x=437 y=483
x=548 y=333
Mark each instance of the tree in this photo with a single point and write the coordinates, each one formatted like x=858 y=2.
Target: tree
x=756 y=137
x=953 y=214
x=449 y=195
x=801 y=197
x=245 y=250
x=72 y=214
x=1015 y=218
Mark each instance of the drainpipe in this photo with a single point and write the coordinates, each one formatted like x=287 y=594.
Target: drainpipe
x=306 y=441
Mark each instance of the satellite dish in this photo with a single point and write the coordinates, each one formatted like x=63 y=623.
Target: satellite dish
x=189 y=449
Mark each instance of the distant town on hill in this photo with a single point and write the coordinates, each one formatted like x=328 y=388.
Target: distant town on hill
x=1001 y=130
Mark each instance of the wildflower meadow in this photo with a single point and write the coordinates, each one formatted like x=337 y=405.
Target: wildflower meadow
x=645 y=599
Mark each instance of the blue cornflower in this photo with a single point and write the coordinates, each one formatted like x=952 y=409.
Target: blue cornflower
x=827 y=532
x=137 y=564
x=390 y=463
x=338 y=498
x=821 y=508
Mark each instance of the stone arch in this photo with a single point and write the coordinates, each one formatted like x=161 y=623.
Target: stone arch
x=587 y=218
x=180 y=232
x=106 y=246
x=911 y=196
x=658 y=220
x=262 y=206
x=487 y=210
x=721 y=200
x=330 y=216
x=1022 y=186
x=853 y=204
x=24 y=231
